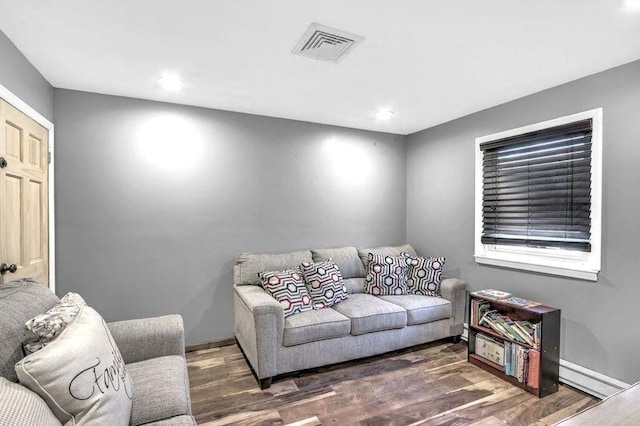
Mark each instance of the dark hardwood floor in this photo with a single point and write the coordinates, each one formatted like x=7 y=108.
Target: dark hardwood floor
x=427 y=385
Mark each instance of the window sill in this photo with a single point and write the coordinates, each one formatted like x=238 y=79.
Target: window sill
x=583 y=274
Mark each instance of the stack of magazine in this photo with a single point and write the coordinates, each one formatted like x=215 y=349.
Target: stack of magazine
x=523 y=332
x=492 y=294
x=504 y=297
x=520 y=331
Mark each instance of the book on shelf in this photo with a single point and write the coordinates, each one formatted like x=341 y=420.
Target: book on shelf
x=511 y=329
x=479 y=307
x=523 y=333
x=533 y=379
x=490 y=348
x=522 y=363
x=520 y=302
x=492 y=294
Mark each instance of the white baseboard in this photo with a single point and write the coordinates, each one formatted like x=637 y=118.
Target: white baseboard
x=589 y=381
x=584 y=379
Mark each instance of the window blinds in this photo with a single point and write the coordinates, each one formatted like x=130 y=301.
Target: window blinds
x=537 y=188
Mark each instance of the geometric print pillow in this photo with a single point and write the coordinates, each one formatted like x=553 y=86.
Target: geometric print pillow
x=386 y=275
x=425 y=274
x=324 y=282
x=288 y=288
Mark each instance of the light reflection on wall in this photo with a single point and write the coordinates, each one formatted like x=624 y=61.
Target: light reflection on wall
x=350 y=160
x=170 y=143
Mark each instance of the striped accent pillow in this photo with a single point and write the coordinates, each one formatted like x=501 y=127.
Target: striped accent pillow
x=288 y=288
x=386 y=275
x=425 y=275
x=20 y=406
x=324 y=282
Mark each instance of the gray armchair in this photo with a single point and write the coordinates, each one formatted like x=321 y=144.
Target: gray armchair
x=152 y=349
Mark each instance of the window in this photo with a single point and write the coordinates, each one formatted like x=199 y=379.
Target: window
x=538 y=197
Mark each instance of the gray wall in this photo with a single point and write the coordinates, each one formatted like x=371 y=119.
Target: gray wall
x=150 y=230
x=23 y=80
x=599 y=320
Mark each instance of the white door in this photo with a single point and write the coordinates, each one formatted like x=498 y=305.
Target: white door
x=24 y=160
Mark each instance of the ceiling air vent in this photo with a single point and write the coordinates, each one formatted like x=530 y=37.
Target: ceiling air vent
x=326 y=43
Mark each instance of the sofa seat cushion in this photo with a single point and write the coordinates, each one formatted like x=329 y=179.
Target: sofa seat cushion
x=311 y=326
x=370 y=313
x=160 y=389
x=421 y=309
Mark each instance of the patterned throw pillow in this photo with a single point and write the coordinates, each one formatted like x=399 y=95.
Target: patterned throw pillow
x=48 y=325
x=425 y=274
x=288 y=288
x=386 y=275
x=324 y=282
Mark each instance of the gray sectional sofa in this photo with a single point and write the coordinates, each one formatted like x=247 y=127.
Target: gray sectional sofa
x=152 y=348
x=361 y=326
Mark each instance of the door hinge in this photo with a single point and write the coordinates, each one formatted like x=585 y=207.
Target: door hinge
x=49 y=156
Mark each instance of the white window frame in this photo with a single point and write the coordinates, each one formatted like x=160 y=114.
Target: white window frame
x=566 y=263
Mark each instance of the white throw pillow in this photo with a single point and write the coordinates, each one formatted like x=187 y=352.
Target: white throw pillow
x=81 y=374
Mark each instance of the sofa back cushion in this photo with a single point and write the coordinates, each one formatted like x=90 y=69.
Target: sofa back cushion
x=346 y=258
x=393 y=251
x=249 y=265
x=20 y=301
x=354 y=285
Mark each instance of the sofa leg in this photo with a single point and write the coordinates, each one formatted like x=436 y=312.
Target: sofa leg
x=456 y=339
x=265 y=383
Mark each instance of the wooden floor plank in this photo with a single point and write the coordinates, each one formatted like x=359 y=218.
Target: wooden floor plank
x=563 y=402
x=359 y=401
x=429 y=384
x=488 y=421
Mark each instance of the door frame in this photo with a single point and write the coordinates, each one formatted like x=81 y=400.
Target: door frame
x=23 y=107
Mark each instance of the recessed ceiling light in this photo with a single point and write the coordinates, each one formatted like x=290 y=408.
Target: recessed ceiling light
x=630 y=4
x=170 y=82
x=384 y=114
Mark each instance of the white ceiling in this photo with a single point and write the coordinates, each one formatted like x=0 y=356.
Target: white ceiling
x=429 y=61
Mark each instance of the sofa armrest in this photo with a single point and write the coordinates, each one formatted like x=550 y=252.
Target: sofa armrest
x=455 y=291
x=147 y=338
x=259 y=327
